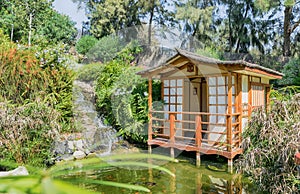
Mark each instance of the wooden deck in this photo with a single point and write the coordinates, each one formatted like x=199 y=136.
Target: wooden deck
x=195 y=131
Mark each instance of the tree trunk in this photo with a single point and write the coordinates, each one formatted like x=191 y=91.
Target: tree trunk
x=150 y=21
x=287 y=31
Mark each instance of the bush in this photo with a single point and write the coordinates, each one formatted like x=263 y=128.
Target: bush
x=85 y=44
x=90 y=72
x=291 y=73
x=27 y=132
x=28 y=74
x=270 y=142
x=122 y=95
x=106 y=49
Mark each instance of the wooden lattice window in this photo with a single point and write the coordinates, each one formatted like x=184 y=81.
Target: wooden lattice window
x=173 y=96
x=218 y=97
x=258 y=95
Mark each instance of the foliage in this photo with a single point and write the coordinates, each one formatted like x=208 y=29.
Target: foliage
x=55 y=179
x=85 y=43
x=105 y=49
x=270 y=142
x=90 y=72
x=38 y=73
x=27 y=20
x=27 y=132
x=122 y=95
x=109 y=16
x=291 y=73
x=57 y=28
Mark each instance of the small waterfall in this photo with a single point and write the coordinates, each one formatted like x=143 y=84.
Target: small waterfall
x=96 y=135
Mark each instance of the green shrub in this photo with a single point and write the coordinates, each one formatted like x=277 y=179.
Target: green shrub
x=270 y=142
x=122 y=95
x=28 y=74
x=27 y=132
x=291 y=73
x=106 y=49
x=90 y=72
x=85 y=44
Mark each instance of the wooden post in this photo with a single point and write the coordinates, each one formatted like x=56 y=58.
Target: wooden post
x=249 y=97
x=229 y=116
x=239 y=106
x=198 y=139
x=172 y=133
x=150 y=113
x=198 y=159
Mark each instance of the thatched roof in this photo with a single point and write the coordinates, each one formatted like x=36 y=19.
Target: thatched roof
x=207 y=60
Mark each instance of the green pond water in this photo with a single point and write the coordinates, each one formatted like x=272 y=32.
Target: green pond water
x=188 y=179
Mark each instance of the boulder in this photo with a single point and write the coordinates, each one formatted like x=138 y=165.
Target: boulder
x=20 y=171
x=79 y=155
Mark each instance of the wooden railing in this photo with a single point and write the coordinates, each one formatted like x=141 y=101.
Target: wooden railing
x=197 y=128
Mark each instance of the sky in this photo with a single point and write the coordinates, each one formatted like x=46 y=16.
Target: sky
x=69 y=8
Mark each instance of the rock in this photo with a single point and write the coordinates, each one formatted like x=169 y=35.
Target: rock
x=92 y=155
x=67 y=157
x=20 y=171
x=79 y=155
x=79 y=145
x=71 y=145
x=60 y=147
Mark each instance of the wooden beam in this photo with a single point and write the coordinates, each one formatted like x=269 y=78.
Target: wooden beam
x=172 y=127
x=198 y=130
x=249 y=96
x=150 y=108
x=239 y=105
x=229 y=111
x=263 y=72
x=179 y=60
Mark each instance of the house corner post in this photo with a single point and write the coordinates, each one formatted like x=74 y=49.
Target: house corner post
x=150 y=113
x=229 y=118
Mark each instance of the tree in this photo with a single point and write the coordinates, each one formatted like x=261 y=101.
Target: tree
x=291 y=19
x=156 y=12
x=109 y=16
x=196 y=19
x=34 y=19
x=85 y=44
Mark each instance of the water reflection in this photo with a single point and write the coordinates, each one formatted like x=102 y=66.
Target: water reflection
x=188 y=180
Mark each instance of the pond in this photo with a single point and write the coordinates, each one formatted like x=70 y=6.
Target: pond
x=188 y=179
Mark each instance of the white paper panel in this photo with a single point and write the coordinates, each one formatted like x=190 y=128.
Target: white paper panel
x=221 y=109
x=179 y=117
x=244 y=89
x=222 y=100
x=172 y=108
x=166 y=107
x=213 y=119
x=166 y=99
x=221 y=119
x=166 y=83
x=179 y=108
x=179 y=99
x=212 y=81
x=166 y=91
x=212 y=109
x=212 y=100
x=173 y=91
x=221 y=90
x=212 y=90
x=172 y=99
x=179 y=91
x=221 y=80
x=179 y=82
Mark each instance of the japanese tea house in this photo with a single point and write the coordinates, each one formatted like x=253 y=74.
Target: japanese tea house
x=207 y=103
